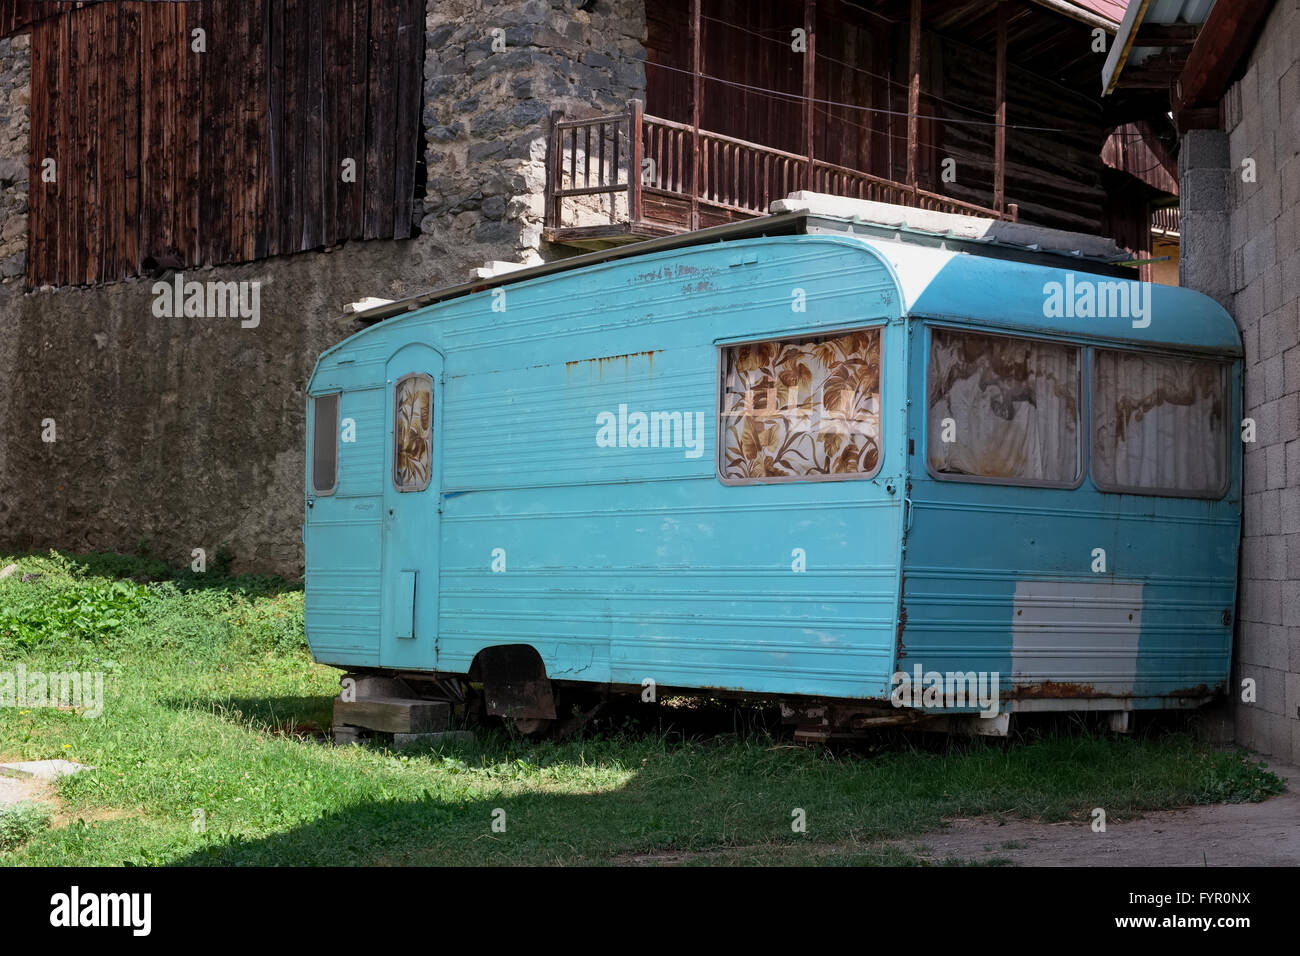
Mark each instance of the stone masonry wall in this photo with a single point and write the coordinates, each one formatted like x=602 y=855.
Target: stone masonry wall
x=174 y=433
x=487 y=112
x=1253 y=267
x=15 y=121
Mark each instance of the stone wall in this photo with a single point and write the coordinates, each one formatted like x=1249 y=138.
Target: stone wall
x=1241 y=244
x=487 y=112
x=15 y=121
x=173 y=433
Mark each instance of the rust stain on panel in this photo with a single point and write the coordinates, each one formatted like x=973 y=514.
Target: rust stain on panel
x=1058 y=689
x=599 y=363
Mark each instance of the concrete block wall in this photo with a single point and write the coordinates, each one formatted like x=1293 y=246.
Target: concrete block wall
x=1241 y=243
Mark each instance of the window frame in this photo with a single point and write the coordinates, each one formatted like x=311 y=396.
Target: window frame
x=1083 y=413
x=392 y=444
x=338 y=418
x=1225 y=384
x=719 y=442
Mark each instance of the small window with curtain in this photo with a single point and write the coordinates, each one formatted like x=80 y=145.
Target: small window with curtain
x=1159 y=424
x=413 y=433
x=801 y=410
x=325 y=443
x=1002 y=409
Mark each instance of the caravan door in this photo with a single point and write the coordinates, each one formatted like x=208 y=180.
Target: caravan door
x=411 y=534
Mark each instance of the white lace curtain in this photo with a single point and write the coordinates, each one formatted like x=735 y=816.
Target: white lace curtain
x=1008 y=407
x=1159 y=423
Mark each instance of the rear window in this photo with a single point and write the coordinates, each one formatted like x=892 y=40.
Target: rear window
x=412 y=433
x=801 y=409
x=325 y=443
x=1159 y=424
x=1002 y=409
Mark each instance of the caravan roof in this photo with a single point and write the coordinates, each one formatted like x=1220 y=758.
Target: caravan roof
x=981 y=271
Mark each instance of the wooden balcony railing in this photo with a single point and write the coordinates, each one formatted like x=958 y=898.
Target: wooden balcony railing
x=688 y=179
x=1165 y=220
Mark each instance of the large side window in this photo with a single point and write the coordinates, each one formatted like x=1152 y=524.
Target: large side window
x=1159 y=424
x=801 y=409
x=1002 y=409
x=325 y=443
x=413 y=433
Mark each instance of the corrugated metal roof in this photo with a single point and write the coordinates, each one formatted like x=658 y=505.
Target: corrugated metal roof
x=1126 y=53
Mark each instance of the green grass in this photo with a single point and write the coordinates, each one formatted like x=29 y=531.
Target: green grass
x=20 y=822
x=212 y=700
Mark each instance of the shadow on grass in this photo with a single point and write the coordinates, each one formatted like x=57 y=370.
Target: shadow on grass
x=662 y=815
x=308 y=715
x=639 y=824
x=148 y=569
x=540 y=830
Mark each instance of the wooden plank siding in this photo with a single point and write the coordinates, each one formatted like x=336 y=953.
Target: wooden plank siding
x=166 y=155
x=17 y=16
x=754 y=82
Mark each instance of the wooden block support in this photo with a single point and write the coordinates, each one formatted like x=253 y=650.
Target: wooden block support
x=370 y=687
x=394 y=715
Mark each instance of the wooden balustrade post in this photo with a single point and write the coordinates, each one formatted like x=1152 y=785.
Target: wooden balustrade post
x=636 y=114
x=1000 y=133
x=696 y=67
x=809 y=87
x=552 y=201
x=913 y=95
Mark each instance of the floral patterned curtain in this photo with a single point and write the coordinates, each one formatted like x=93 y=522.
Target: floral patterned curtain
x=1002 y=407
x=802 y=409
x=1159 y=423
x=413 y=433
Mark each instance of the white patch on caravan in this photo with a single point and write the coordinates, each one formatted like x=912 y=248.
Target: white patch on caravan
x=1077 y=632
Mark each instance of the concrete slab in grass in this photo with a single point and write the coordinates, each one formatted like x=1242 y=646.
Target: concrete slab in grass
x=48 y=770
x=13 y=790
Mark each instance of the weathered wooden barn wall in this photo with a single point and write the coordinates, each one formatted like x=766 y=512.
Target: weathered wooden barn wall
x=17 y=15
x=1055 y=177
x=861 y=77
x=164 y=152
x=754 y=79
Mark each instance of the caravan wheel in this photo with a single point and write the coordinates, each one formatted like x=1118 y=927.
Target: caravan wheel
x=534 y=727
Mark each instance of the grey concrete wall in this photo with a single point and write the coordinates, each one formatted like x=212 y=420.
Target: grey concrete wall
x=1203 y=183
x=1241 y=244
x=181 y=433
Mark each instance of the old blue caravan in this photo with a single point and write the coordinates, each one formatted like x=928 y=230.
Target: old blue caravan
x=878 y=471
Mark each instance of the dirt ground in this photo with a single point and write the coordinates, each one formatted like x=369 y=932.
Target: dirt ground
x=1223 y=834
x=15 y=790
